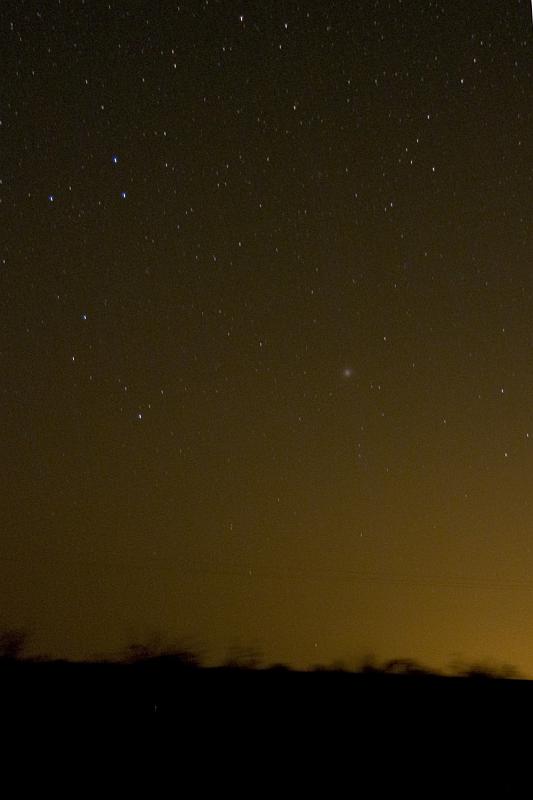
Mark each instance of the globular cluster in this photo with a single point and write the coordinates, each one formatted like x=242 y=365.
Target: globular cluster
x=265 y=325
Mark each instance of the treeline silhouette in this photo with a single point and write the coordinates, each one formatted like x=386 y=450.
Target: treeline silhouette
x=391 y=725
x=155 y=652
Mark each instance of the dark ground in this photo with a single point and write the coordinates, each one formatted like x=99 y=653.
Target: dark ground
x=256 y=732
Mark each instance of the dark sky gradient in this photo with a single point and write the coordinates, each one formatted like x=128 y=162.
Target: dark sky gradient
x=266 y=326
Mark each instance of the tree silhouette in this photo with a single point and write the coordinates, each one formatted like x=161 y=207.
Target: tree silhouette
x=13 y=642
x=156 y=650
x=241 y=657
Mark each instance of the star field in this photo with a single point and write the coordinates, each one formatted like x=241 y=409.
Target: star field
x=265 y=326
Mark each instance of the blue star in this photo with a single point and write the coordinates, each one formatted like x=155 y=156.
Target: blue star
x=123 y=195
x=115 y=159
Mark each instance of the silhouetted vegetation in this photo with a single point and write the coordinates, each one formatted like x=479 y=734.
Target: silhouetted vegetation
x=13 y=643
x=174 y=656
x=243 y=658
x=244 y=706
x=159 y=652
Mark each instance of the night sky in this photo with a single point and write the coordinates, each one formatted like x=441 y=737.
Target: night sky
x=266 y=327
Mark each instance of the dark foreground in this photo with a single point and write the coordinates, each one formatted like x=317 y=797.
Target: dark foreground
x=275 y=733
